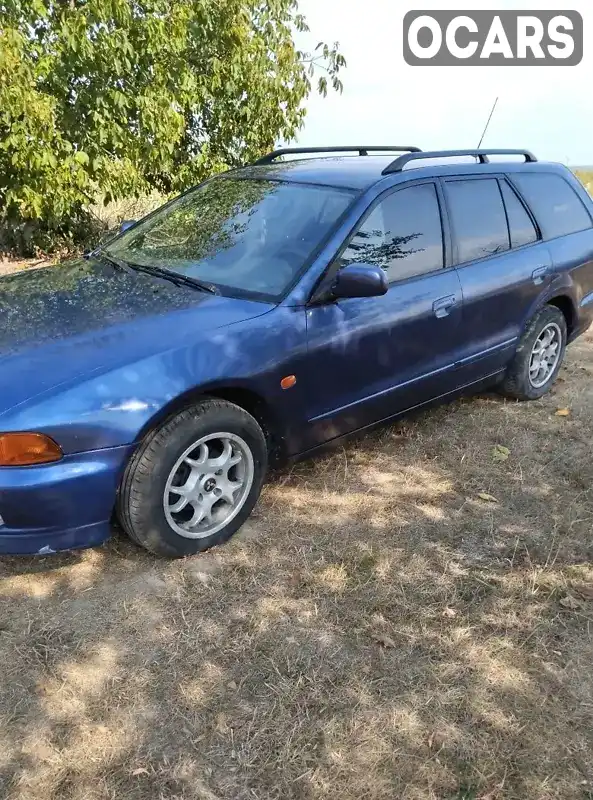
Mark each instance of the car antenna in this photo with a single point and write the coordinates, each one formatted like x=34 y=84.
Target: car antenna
x=488 y=123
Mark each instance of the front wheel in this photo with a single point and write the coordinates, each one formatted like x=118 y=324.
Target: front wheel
x=194 y=481
x=539 y=356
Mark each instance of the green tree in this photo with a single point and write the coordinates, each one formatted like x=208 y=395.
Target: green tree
x=112 y=98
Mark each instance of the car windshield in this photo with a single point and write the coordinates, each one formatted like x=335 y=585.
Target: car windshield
x=250 y=236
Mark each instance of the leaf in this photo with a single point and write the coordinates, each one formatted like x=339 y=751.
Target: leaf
x=488 y=498
x=584 y=589
x=571 y=602
x=500 y=452
x=147 y=94
x=39 y=7
x=563 y=412
x=384 y=640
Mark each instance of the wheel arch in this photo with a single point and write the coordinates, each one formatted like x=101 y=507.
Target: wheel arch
x=244 y=397
x=565 y=304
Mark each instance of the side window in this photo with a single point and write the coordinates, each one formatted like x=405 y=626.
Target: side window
x=478 y=218
x=521 y=226
x=403 y=234
x=554 y=202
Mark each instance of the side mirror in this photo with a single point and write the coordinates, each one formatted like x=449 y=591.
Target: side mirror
x=360 y=280
x=125 y=224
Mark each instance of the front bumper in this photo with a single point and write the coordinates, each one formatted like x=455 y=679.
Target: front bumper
x=60 y=506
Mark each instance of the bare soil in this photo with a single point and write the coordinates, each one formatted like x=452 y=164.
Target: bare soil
x=13 y=265
x=410 y=617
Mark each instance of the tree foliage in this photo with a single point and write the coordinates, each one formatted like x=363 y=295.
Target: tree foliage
x=110 y=98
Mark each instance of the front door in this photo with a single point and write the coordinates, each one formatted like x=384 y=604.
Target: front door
x=371 y=358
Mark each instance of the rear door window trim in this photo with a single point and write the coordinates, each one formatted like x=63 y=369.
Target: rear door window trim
x=534 y=222
x=454 y=244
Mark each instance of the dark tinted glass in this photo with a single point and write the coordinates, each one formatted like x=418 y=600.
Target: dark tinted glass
x=522 y=228
x=403 y=234
x=478 y=218
x=254 y=236
x=554 y=202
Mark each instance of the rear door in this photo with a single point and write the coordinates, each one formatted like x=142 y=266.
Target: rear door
x=563 y=211
x=503 y=266
x=371 y=357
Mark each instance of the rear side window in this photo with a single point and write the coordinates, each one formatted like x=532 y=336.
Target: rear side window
x=403 y=234
x=556 y=206
x=478 y=218
x=520 y=224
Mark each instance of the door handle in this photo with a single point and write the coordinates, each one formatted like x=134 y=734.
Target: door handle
x=442 y=307
x=539 y=274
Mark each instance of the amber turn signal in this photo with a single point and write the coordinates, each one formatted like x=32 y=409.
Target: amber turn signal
x=26 y=449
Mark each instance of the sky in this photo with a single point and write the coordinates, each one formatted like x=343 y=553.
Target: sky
x=548 y=110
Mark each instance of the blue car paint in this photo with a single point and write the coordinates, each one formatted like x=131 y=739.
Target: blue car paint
x=60 y=506
x=362 y=346
x=95 y=357
x=58 y=326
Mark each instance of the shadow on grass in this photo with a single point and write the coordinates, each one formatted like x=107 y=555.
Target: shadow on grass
x=378 y=629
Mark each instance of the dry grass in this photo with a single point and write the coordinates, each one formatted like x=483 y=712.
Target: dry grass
x=108 y=218
x=112 y=214
x=9 y=265
x=586 y=178
x=378 y=630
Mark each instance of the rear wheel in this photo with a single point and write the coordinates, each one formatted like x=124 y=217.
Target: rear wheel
x=194 y=481
x=539 y=356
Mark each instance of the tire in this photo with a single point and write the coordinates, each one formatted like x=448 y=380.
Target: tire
x=174 y=456
x=519 y=382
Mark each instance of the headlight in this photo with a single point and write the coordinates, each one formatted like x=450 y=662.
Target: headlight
x=26 y=449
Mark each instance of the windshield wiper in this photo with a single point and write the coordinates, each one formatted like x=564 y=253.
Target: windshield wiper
x=113 y=260
x=157 y=272
x=176 y=277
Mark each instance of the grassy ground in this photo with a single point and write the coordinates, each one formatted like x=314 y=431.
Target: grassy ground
x=410 y=617
x=586 y=178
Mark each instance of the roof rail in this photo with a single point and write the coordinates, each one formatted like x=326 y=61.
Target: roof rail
x=482 y=155
x=362 y=150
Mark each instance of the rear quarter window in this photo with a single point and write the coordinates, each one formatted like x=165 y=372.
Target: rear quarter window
x=521 y=227
x=556 y=206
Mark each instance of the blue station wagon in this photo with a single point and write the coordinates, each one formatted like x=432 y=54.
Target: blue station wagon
x=269 y=311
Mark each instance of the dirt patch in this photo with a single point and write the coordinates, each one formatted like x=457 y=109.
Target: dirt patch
x=13 y=265
x=403 y=619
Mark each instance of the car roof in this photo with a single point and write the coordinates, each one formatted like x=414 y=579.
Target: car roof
x=344 y=172
x=359 y=173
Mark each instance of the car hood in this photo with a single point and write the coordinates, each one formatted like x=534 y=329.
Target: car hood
x=60 y=324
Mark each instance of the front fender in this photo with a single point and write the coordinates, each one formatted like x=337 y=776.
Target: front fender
x=111 y=409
